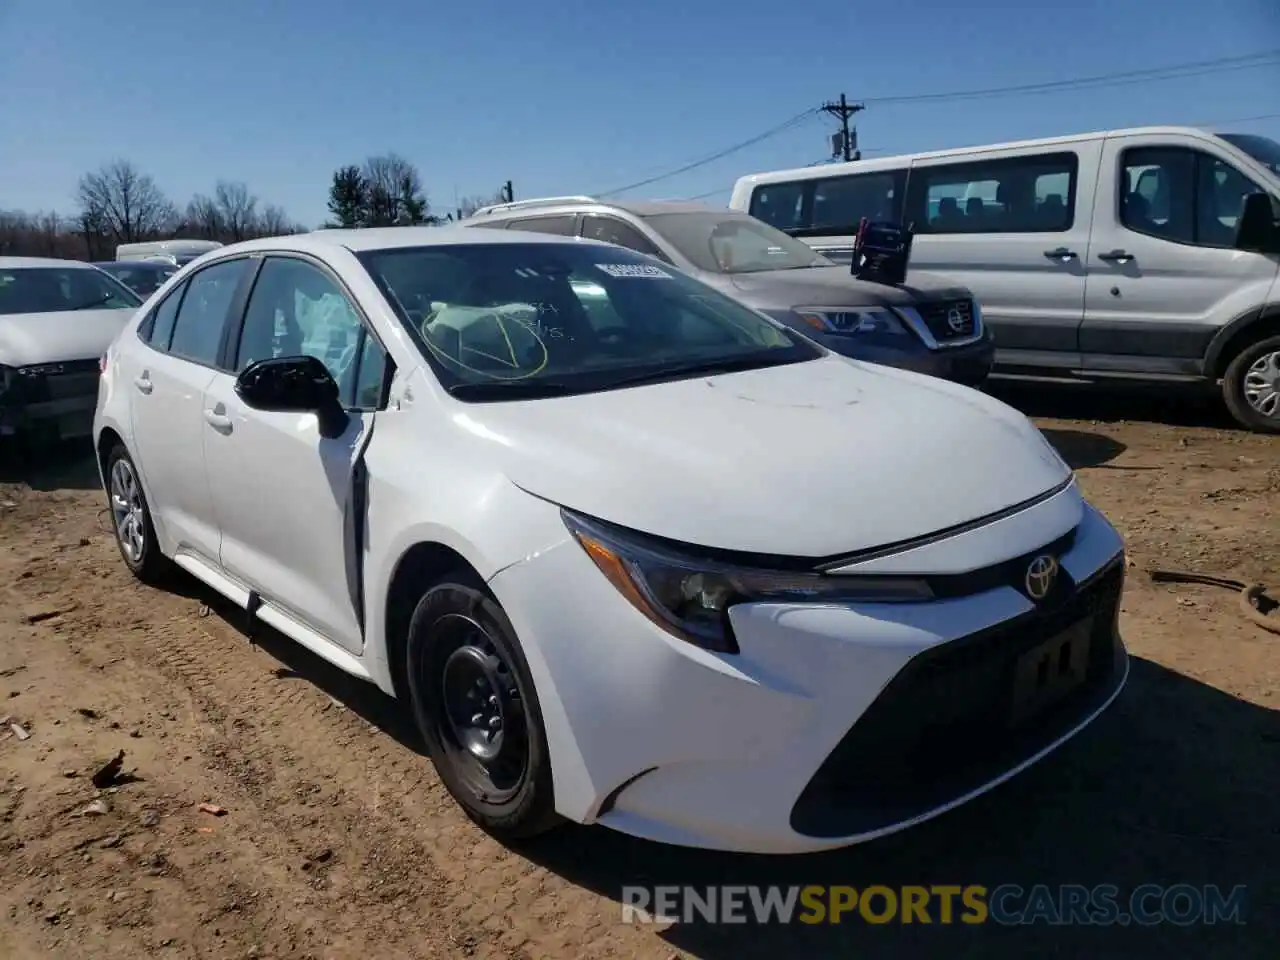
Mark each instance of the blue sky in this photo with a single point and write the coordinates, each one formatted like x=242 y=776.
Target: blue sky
x=573 y=96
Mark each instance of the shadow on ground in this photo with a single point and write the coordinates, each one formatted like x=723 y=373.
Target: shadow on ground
x=1082 y=449
x=66 y=465
x=1176 y=784
x=1174 y=405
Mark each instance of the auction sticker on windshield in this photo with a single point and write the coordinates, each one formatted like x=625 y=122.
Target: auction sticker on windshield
x=633 y=270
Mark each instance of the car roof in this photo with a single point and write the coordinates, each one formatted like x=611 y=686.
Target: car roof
x=16 y=263
x=364 y=239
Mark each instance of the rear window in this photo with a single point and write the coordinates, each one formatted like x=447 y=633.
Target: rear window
x=58 y=289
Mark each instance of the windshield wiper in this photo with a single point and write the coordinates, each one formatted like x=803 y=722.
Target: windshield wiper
x=533 y=389
x=705 y=367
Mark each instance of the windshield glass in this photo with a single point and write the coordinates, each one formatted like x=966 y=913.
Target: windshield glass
x=143 y=279
x=500 y=321
x=56 y=289
x=729 y=243
x=1263 y=149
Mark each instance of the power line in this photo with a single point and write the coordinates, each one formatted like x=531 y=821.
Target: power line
x=771 y=132
x=1150 y=75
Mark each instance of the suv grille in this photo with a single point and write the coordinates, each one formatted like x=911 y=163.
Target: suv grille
x=948 y=319
x=943 y=726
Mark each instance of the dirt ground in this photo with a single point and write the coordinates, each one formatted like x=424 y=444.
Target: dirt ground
x=332 y=837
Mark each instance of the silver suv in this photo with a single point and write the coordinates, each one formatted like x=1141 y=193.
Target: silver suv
x=928 y=325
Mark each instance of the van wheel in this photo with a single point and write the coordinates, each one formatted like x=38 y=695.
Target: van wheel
x=475 y=706
x=1251 y=386
x=131 y=520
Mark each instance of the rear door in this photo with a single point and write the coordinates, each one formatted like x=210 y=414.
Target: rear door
x=184 y=334
x=1013 y=227
x=1164 y=276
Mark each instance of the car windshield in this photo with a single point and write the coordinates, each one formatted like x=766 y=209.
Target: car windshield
x=733 y=243
x=510 y=320
x=143 y=279
x=58 y=289
x=1263 y=149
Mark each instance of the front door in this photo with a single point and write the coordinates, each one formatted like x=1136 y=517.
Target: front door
x=286 y=498
x=1164 y=276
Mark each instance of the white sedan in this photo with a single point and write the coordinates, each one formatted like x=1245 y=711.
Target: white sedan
x=653 y=561
x=56 y=319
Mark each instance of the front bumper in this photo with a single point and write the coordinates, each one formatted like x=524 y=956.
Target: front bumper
x=835 y=724
x=57 y=396
x=969 y=364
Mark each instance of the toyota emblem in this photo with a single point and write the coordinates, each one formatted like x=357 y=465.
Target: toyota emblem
x=1041 y=574
x=955 y=319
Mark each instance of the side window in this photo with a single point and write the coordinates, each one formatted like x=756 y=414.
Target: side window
x=841 y=202
x=561 y=226
x=778 y=204
x=1181 y=195
x=1032 y=194
x=613 y=230
x=159 y=328
x=297 y=309
x=197 y=330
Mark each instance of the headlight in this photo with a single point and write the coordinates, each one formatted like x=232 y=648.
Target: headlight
x=690 y=597
x=853 y=321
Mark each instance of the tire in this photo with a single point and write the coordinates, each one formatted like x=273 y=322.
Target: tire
x=1235 y=384
x=460 y=643
x=134 y=532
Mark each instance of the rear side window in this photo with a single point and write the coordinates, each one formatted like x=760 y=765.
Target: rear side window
x=159 y=329
x=830 y=206
x=1033 y=194
x=197 y=331
x=612 y=230
x=561 y=226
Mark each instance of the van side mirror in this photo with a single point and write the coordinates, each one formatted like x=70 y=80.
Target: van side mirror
x=1258 y=229
x=299 y=384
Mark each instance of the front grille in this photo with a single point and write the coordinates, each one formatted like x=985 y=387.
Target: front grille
x=943 y=726
x=55 y=381
x=948 y=319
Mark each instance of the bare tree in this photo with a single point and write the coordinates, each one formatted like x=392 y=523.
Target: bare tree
x=125 y=202
x=274 y=222
x=469 y=205
x=237 y=207
x=203 y=217
x=394 y=191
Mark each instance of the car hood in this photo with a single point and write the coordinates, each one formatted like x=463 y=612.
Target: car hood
x=812 y=459
x=30 y=338
x=834 y=287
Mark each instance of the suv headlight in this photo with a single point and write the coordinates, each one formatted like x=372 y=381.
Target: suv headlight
x=689 y=597
x=853 y=321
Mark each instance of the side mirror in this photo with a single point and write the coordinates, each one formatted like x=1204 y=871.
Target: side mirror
x=294 y=385
x=1258 y=229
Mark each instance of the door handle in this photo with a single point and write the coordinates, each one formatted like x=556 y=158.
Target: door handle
x=1116 y=256
x=1061 y=253
x=143 y=383
x=219 y=421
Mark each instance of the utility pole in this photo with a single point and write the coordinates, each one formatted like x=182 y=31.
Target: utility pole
x=844 y=144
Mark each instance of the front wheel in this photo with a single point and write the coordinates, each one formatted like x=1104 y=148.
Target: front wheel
x=1251 y=386
x=476 y=707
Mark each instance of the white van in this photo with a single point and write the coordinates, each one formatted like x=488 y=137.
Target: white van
x=177 y=252
x=1131 y=253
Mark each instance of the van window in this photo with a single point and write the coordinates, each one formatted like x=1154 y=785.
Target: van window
x=1182 y=195
x=830 y=206
x=1032 y=194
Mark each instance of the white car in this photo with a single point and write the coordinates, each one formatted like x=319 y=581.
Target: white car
x=680 y=571
x=56 y=319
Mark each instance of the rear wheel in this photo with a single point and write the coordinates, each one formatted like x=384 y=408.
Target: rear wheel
x=131 y=519
x=1251 y=386
x=476 y=707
